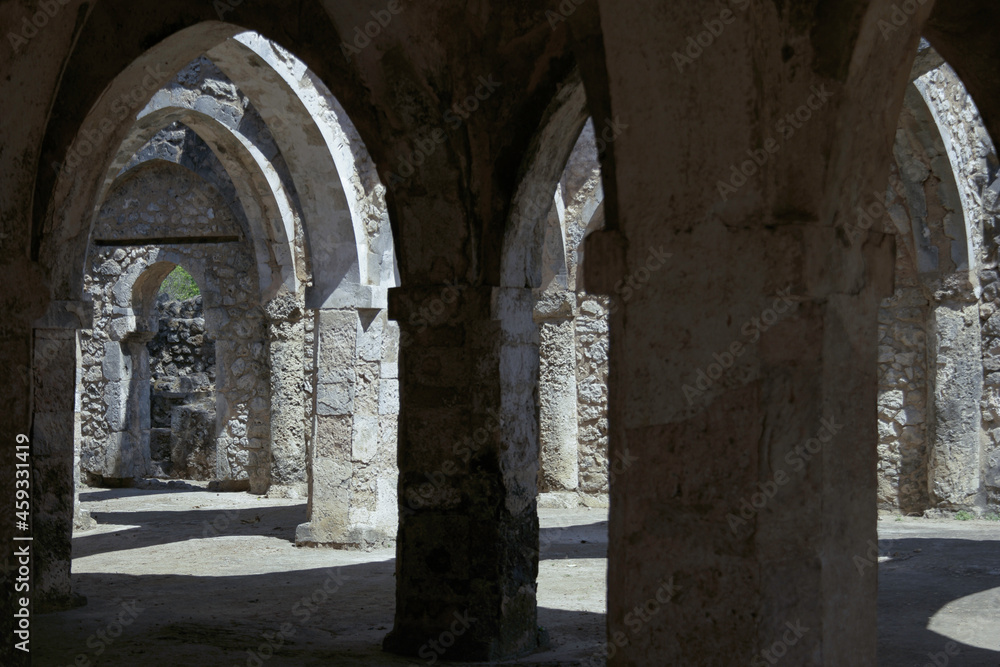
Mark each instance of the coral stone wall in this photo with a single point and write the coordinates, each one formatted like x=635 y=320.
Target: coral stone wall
x=902 y=400
x=182 y=409
x=939 y=357
x=164 y=201
x=592 y=392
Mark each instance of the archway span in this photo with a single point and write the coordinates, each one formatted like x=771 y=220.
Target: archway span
x=269 y=208
x=521 y=259
x=336 y=221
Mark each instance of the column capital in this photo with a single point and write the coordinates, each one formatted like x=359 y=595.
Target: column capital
x=554 y=305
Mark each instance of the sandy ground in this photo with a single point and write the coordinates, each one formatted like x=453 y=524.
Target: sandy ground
x=182 y=576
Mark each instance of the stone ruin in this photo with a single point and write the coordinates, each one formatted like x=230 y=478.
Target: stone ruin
x=879 y=213
x=182 y=408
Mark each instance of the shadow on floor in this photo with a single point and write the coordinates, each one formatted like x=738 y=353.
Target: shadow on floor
x=924 y=575
x=157 y=528
x=331 y=616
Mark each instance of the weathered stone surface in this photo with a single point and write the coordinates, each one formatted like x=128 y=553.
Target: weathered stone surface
x=700 y=160
x=192 y=442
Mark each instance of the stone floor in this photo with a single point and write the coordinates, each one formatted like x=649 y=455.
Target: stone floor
x=176 y=575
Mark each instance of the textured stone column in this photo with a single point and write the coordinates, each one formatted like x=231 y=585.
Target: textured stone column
x=557 y=393
x=746 y=495
x=351 y=460
x=468 y=455
x=288 y=439
x=54 y=496
x=954 y=470
x=134 y=453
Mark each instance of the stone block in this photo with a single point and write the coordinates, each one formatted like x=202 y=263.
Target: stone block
x=192 y=442
x=116 y=405
x=891 y=399
x=331 y=484
x=389 y=369
x=364 y=438
x=388 y=397
x=335 y=399
x=369 y=339
x=366 y=389
x=333 y=437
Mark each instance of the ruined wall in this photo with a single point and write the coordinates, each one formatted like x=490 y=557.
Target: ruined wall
x=902 y=398
x=974 y=158
x=937 y=368
x=161 y=200
x=182 y=402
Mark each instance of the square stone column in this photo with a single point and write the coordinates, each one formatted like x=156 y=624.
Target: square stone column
x=956 y=466
x=134 y=456
x=55 y=496
x=467 y=558
x=749 y=498
x=286 y=341
x=352 y=456
x=557 y=393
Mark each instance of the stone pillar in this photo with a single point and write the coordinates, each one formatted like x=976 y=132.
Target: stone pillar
x=55 y=498
x=989 y=319
x=242 y=411
x=592 y=391
x=744 y=419
x=286 y=339
x=467 y=556
x=557 y=393
x=954 y=470
x=351 y=458
x=134 y=453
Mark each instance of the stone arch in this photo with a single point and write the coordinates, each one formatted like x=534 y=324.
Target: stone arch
x=937 y=398
x=523 y=243
x=335 y=213
x=270 y=210
x=572 y=329
x=186 y=223
x=333 y=174
x=347 y=236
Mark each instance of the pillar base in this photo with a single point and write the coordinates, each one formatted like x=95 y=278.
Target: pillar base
x=362 y=539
